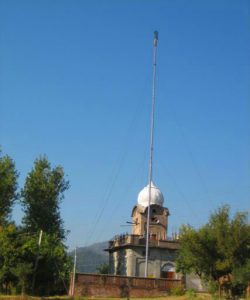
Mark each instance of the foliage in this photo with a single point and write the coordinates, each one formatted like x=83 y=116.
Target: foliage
x=23 y=263
x=177 y=291
x=219 y=248
x=8 y=187
x=14 y=269
x=103 y=268
x=18 y=254
x=53 y=265
x=23 y=272
x=213 y=287
x=241 y=278
x=8 y=256
x=191 y=294
x=41 y=197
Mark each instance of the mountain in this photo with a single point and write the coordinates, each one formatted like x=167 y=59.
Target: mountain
x=90 y=257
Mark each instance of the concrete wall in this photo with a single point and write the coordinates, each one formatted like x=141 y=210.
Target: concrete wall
x=131 y=261
x=121 y=286
x=194 y=282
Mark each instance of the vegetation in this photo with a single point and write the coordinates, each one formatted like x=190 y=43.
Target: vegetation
x=41 y=196
x=191 y=294
x=26 y=265
x=103 y=268
x=218 y=252
x=8 y=187
x=177 y=291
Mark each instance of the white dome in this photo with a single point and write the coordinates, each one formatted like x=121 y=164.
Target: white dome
x=156 y=196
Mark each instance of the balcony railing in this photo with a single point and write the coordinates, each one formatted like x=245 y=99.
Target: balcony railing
x=137 y=240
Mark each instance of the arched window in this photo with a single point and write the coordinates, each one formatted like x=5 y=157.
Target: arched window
x=168 y=271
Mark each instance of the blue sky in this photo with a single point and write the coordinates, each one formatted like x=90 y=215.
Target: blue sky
x=75 y=84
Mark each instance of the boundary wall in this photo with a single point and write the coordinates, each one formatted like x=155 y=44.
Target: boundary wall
x=95 y=285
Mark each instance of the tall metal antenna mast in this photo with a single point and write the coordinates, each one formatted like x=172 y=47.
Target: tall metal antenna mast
x=151 y=150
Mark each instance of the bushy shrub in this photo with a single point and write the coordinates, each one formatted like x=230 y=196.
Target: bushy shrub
x=191 y=294
x=213 y=287
x=177 y=291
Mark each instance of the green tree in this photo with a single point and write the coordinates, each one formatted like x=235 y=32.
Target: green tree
x=241 y=278
x=23 y=271
x=10 y=244
x=197 y=252
x=21 y=258
x=8 y=187
x=19 y=252
x=219 y=248
x=53 y=265
x=103 y=269
x=41 y=197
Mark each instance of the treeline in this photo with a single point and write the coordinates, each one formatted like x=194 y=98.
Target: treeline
x=33 y=255
x=218 y=252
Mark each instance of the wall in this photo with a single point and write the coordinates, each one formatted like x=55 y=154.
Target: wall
x=194 y=282
x=131 y=261
x=158 y=222
x=121 y=286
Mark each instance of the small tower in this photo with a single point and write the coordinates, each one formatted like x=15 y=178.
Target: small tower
x=127 y=255
x=158 y=223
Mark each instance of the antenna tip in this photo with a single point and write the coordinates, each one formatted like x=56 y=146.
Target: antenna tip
x=155 y=38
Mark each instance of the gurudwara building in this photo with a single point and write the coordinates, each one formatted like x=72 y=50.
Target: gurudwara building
x=127 y=252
